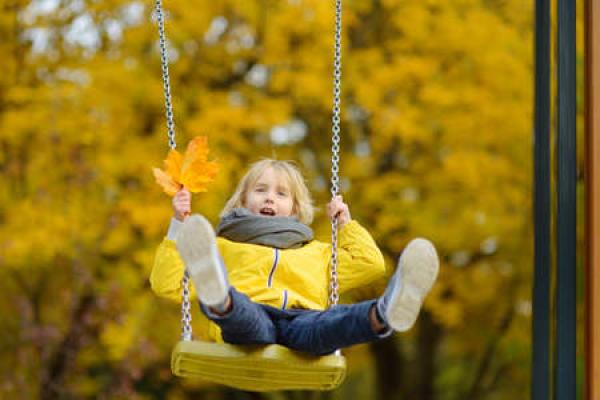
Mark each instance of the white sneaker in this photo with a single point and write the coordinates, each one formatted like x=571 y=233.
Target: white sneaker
x=417 y=270
x=197 y=246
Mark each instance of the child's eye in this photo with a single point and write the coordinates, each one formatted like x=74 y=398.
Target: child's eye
x=282 y=194
x=259 y=189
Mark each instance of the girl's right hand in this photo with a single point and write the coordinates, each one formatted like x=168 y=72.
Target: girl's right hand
x=182 y=204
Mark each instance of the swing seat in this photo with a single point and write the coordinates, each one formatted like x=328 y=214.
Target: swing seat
x=257 y=368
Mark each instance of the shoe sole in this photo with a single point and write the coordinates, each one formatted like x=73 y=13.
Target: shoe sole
x=419 y=265
x=197 y=247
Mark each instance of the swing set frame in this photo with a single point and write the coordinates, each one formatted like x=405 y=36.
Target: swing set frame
x=554 y=358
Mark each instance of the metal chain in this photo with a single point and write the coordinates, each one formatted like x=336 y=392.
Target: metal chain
x=186 y=315
x=335 y=149
x=165 y=74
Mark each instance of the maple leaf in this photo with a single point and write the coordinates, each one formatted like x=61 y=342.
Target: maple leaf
x=169 y=185
x=192 y=170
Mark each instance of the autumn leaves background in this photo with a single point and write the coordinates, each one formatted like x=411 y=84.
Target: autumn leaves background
x=436 y=142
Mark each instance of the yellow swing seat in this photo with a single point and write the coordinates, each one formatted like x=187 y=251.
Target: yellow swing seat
x=257 y=368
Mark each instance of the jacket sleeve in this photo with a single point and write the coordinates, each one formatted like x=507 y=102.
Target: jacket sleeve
x=167 y=272
x=360 y=261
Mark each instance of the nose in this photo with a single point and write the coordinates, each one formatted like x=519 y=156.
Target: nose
x=270 y=198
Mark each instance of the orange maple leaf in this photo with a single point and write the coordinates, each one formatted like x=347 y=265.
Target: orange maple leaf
x=193 y=170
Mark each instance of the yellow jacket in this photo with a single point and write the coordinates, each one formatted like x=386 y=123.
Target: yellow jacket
x=283 y=278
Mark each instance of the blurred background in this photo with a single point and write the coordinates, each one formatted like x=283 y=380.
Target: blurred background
x=437 y=100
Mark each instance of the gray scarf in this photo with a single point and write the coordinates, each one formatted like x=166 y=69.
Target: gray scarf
x=241 y=225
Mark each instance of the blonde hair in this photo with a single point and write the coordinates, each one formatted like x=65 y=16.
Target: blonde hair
x=303 y=204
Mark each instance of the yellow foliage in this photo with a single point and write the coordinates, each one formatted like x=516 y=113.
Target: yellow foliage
x=117 y=240
x=118 y=338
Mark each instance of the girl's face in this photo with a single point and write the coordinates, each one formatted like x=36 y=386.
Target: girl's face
x=270 y=195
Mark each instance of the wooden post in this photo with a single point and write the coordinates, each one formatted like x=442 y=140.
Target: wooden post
x=592 y=142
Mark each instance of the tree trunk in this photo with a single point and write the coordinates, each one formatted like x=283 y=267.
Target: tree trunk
x=427 y=341
x=389 y=367
x=57 y=368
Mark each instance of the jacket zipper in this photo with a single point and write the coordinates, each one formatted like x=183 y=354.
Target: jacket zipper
x=270 y=279
x=285 y=299
x=273 y=268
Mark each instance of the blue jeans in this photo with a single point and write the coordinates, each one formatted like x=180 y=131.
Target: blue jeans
x=310 y=331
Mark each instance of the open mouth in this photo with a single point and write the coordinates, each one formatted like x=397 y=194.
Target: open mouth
x=267 y=212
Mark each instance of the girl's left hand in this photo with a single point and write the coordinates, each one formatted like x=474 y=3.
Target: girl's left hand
x=338 y=209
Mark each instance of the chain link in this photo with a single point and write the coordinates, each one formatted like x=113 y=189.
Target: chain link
x=335 y=149
x=164 y=59
x=186 y=315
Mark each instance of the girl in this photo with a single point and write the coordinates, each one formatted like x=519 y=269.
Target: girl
x=263 y=279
